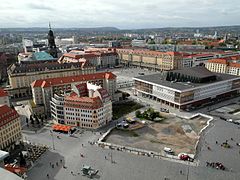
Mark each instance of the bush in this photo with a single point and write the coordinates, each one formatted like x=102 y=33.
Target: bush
x=138 y=114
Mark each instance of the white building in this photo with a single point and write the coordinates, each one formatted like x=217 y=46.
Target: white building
x=86 y=106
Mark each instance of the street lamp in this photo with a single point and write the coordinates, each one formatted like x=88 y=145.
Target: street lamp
x=52 y=139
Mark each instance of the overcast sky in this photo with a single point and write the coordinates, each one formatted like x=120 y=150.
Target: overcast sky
x=122 y=14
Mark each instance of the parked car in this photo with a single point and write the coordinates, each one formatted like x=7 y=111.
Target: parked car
x=185 y=157
x=168 y=150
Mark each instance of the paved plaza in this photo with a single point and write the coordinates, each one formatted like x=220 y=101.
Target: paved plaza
x=127 y=165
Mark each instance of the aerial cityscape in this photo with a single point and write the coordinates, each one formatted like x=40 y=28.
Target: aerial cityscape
x=128 y=90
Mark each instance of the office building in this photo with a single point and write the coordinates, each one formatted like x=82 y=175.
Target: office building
x=86 y=106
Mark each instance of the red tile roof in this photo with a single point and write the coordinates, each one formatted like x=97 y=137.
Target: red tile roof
x=219 y=61
x=64 y=80
x=147 y=52
x=3 y=93
x=237 y=65
x=7 y=115
x=73 y=100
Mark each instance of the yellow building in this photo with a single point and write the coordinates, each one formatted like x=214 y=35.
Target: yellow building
x=151 y=59
x=10 y=127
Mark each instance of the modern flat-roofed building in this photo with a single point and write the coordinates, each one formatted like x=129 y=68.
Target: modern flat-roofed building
x=187 y=88
x=86 y=106
x=150 y=59
x=10 y=127
x=43 y=90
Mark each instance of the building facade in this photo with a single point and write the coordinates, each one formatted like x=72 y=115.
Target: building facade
x=22 y=75
x=150 y=59
x=43 y=90
x=98 y=57
x=4 y=99
x=86 y=106
x=202 y=59
x=10 y=127
x=223 y=66
x=187 y=88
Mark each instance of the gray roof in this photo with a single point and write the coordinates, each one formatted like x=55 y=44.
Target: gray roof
x=198 y=71
x=38 y=67
x=3 y=154
x=181 y=86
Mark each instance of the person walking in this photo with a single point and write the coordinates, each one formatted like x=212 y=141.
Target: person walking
x=48 y=176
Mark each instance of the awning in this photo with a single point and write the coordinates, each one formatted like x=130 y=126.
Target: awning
x=64 y=128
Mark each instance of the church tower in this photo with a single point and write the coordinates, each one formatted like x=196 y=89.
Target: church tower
x=51 y=43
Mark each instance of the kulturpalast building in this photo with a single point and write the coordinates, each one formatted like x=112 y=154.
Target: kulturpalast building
x=187 y=88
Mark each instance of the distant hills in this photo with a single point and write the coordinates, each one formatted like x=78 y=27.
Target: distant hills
x=229 y=29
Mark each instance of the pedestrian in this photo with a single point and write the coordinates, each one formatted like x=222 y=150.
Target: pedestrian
x=82 y=145
x=56 y=163
x=106 y=156
x=71 y=172
x=216 y=142
x=52 y=165
x=181 y=172
x=232 y=139
x=61 y=160
x=48 y=176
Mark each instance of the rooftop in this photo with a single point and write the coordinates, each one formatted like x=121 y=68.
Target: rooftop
x=182 y=86
x=42 y=56
x=38 y=67
x=148 y=52
x=3 y=93
x=64 y=80
x=7 y=114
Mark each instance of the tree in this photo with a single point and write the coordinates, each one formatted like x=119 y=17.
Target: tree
x=138 y=114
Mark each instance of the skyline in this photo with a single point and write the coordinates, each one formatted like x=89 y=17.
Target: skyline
x=122 y=15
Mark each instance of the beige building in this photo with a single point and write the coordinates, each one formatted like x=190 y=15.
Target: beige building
x=22 y=75
x=10 y=127
x=150 y=59
x=98 y=57
x=86 y=106
x=223 y=66
x=43 y=90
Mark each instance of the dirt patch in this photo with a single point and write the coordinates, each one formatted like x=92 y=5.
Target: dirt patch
x=156 y=136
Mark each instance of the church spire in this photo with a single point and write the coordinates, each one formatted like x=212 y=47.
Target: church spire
x=49 y=25
x=51 y=43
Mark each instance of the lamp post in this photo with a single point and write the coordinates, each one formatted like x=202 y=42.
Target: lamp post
x=52 y=140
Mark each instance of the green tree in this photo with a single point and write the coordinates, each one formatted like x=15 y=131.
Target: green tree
x=138 y=114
